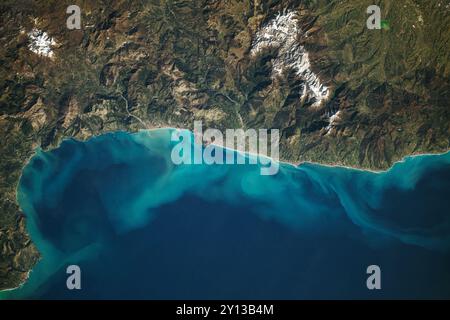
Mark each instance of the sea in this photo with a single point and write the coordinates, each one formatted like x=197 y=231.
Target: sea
x=140 y=227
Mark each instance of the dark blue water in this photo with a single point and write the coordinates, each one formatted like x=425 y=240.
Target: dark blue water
x=140 y=227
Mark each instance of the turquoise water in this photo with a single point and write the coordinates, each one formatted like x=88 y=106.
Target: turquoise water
x=140 y=227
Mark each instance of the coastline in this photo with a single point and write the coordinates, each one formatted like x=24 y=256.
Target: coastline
x=156 y=128
x=280 y=161
x=21 y=284
x=402 y=160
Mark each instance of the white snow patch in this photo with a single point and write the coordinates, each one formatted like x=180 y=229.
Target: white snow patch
x=281 y=33
x=41 y=43
x=333 y=120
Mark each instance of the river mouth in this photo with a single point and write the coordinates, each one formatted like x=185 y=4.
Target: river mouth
x=140 y=227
